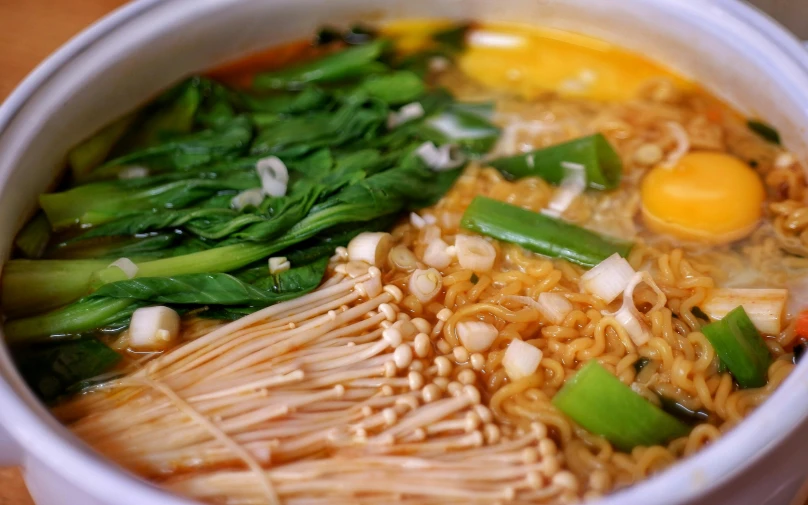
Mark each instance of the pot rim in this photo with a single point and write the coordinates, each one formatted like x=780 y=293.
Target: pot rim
x=42 y=437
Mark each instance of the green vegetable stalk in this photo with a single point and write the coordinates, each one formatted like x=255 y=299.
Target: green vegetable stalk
x=601 y=404
x=740 y=347
x=539 y=233
x=601 y=162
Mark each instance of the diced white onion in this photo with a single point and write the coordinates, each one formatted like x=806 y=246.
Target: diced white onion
x=636 y=280
x=476 y=336
x=554 y=306
x=370 y=247
x=436 y=254
x=763 y=306
x=133 y=172
x=402 y=258
x=521 y=360
x=153 y=328
x=682 y=144
x=430 y=233
x=475 y=253
x=417 y=220
x=273 y=174
x=406 y=113
x=128 y=266
x=572 y=185
x=440 y=159
x=630 y=319
x=279 y=264
x=425 y=284
x=784 y=160
x=252 y=197
x=608 y=278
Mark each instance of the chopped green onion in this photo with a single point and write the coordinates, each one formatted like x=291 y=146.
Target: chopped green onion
x=740 y=346
x=359 y=34
x=601 y=404
x=453 y=38
x=326 y=35
x=682 y=412
x=539 y=233
x=34 y=237
x=765 y=130
x=640 y=364
x=602 y=163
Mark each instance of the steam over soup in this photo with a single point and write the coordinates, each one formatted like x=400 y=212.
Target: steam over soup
x=431 y=264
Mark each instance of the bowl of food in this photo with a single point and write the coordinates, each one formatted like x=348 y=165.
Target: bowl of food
x=408 y=252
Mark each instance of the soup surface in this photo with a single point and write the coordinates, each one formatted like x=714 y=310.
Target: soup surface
x=433 y=263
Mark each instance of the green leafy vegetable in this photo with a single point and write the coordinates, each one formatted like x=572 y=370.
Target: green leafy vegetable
x=350 y=63
x=601 y=404
x=602 y=163
x=740 y=347
x=446 y=44
x=640 y=364
x=91 y=153
x=30 y=286
x=765 y=130
x=223 y=141
x=200 y=143
x=539 y=233
x=52 y=369
x=218 y=288
x=114 y=304
x=683 y=413
x=34 y=237
x=395 y=88
x=466 y=125
x=83 y=317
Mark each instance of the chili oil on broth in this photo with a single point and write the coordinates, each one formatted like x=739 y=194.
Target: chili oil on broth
x=547 y=90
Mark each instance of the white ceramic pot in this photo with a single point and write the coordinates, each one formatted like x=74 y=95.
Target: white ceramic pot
x=130 y=55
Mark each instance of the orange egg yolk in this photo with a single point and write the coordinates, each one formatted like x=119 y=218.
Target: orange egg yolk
x=707 y=197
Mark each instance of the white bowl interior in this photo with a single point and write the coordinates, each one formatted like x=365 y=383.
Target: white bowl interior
x=171 y=39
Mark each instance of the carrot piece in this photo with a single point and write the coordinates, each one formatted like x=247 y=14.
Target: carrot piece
x=802 y=325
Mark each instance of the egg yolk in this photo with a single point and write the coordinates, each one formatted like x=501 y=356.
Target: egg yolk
x=707 y=197
x=531 y=61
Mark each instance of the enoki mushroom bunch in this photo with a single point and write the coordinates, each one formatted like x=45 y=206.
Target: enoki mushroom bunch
x=334 y=397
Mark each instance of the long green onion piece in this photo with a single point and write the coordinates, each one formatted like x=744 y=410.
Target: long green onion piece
x=602 y=163
x=740 y=347
x=539 y=233
x=601 y=404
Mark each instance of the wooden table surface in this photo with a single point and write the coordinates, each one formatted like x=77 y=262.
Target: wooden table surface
x=32 y=29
